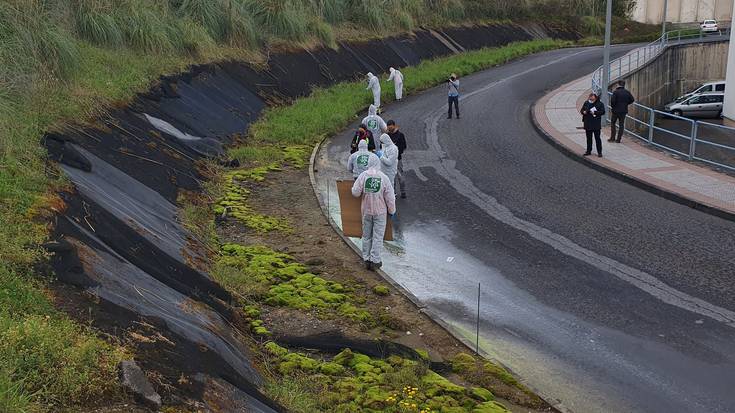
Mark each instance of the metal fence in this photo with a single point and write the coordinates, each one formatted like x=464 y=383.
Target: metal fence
x=696 y=140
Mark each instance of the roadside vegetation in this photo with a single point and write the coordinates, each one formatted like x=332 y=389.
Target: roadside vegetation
x=64 y=61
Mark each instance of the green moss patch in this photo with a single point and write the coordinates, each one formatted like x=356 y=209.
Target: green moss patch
x=483 y=373
x=353 y=382
x=234 y=201
x=278 y=280
x=381 y=290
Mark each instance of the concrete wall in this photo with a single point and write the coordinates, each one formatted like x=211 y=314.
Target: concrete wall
x=682 y=11
x=678 y=70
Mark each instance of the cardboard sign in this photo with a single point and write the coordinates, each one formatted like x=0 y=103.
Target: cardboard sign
x=351 y=215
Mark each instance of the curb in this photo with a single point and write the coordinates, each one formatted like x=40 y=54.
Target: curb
x=555 y=404
x=622 y=176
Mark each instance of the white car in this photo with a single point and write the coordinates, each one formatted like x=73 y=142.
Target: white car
x=709 y=26
x=716 y=86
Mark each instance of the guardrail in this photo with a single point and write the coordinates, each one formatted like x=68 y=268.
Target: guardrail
x=696 y=140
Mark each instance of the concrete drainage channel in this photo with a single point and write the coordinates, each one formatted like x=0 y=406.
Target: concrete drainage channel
x=118 y=236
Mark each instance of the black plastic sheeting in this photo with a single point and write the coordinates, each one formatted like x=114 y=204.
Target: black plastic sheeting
x=120 y=238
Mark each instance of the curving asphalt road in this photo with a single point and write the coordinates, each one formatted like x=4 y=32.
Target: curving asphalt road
x=600 y=295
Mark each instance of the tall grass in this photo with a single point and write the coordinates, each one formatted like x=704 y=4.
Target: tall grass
x=95 y=22
x=286 y=19
x=144 y=27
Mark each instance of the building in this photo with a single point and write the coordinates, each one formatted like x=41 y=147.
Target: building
x=682 y=11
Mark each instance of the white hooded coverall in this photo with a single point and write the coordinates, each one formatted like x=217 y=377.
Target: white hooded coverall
x=378 y=200
x=389 y=160
x=374 y=86
x=375 y=124
x=358 y=161
x=397 y=77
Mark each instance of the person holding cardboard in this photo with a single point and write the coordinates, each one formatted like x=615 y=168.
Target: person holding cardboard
x=378 y=203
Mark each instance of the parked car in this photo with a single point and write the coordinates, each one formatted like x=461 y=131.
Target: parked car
x=707 y=104
x=709 y=26
x=714 y=86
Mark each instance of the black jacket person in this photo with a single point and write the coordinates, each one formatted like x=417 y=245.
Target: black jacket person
x=592 y=112
x=619 y=102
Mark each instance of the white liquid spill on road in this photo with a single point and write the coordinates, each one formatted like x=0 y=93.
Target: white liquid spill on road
x=437 y=158
x=170 y=129
x=589 y=367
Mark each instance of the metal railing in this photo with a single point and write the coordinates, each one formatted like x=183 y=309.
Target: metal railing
x=695 y=140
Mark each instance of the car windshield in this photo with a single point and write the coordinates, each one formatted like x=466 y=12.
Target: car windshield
x=709 y=22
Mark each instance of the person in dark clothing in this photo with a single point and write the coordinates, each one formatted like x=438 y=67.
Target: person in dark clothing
x=592 y=112
x=399 y=139
x=362 y=133
x=619 y=102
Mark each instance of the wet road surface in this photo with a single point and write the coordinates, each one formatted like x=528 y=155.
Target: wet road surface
x=598 y=294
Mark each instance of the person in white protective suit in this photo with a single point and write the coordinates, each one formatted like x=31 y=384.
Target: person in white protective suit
x=388 y=158
x=358 y=161
x=374 y=86
x=378 y=204
x=397 y=77
x=375 y=124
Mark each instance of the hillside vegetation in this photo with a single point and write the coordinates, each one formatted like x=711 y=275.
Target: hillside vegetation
x=64 y=61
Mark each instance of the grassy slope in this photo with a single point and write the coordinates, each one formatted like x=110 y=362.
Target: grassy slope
x=62 y=61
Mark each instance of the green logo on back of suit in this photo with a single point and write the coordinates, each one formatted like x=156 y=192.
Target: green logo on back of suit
x=372 y=124
x=372 y=185
x=362 y=160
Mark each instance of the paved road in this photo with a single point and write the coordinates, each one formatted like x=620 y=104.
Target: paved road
x=598 y=294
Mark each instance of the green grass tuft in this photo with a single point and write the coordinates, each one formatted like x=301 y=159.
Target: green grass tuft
x=143 y=28
x=96 y=23
x=209 y=13
x=286 y=19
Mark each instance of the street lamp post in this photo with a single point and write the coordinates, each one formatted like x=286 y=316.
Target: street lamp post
x=663 y=23
x=606 y=59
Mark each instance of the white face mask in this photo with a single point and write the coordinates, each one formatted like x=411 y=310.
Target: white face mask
x=591 y=101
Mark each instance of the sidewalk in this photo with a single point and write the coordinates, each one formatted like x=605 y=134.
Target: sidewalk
x=557 y=115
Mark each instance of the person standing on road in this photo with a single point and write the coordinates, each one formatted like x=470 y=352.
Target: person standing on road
x=358 y=162
x=397 y=77
x=592 y=112
x=374 y=86
x=399 y=139
x=378 y=200
x=619 y=102
x=388 y=158
x=375 y=124
x=453 y=86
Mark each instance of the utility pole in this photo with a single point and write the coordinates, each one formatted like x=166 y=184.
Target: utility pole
x=663 y=23
x=606 y=59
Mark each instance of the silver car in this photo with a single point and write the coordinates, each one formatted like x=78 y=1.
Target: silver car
x=700 y=105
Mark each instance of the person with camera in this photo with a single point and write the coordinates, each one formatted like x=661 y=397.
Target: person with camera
x=453 y=85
